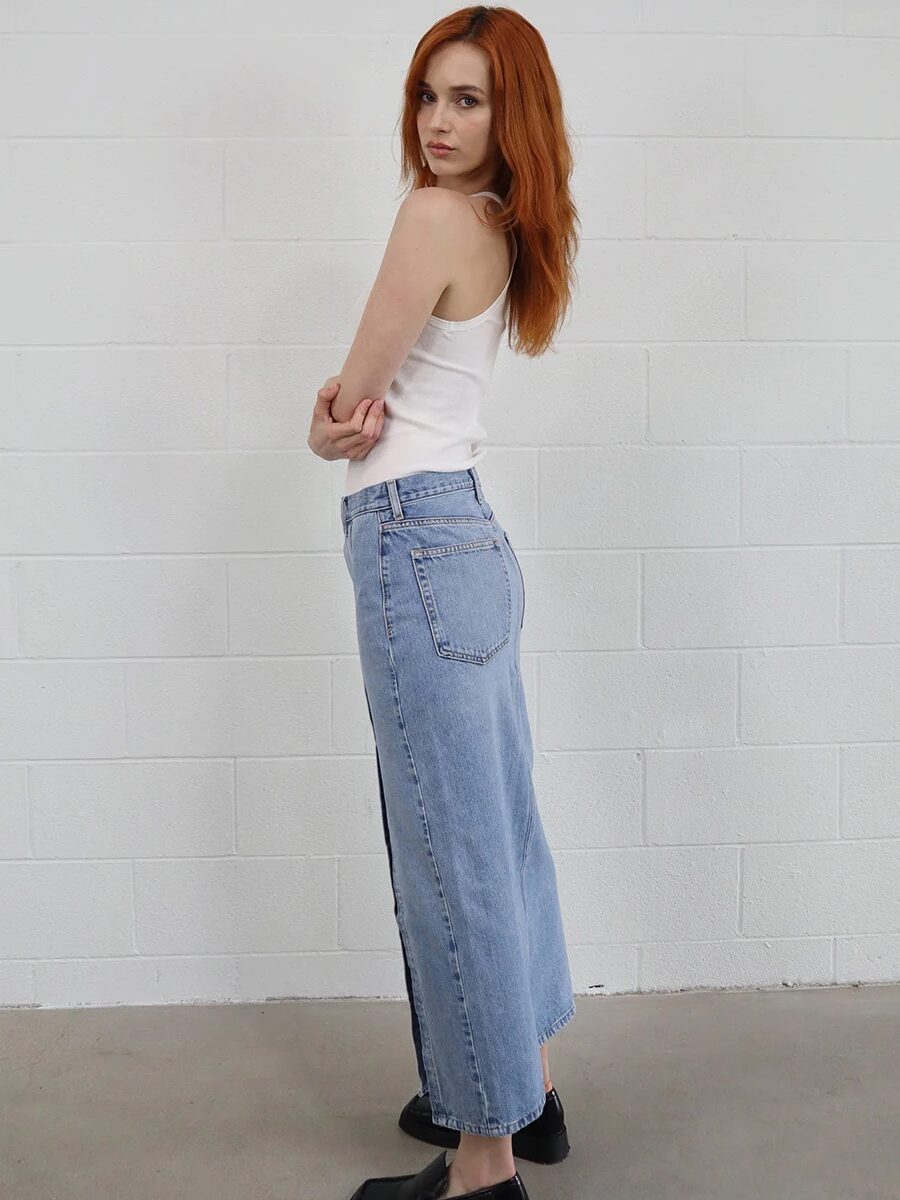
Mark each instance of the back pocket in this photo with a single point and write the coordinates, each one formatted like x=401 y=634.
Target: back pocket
x=466 y=594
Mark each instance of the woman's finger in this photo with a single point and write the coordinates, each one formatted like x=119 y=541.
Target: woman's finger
x=358 y=445
x=324 y=400
x=362 y=411
x=357 y=423
x=354 y=426
x=374 y=421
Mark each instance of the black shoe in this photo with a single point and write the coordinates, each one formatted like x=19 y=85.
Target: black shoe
x=431 y=1183
x=544 y=1140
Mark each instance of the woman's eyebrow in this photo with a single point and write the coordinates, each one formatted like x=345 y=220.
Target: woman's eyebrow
x=458 y=87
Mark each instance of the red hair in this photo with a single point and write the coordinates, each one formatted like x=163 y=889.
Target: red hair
x=531 y=133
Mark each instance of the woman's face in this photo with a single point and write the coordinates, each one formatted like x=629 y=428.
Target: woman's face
x=455 y=108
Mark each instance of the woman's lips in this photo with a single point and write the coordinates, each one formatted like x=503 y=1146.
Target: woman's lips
x=441 y=151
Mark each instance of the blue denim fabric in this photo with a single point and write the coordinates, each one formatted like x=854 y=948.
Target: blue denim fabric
x=440 y=601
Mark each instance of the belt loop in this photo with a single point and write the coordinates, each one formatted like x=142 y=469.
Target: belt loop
x=396 y=506
x=479 y=493
x=344 y=518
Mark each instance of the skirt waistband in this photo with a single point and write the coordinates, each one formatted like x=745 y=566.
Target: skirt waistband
x=393 y=492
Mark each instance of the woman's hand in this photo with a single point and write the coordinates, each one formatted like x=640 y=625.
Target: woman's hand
x=332 y=439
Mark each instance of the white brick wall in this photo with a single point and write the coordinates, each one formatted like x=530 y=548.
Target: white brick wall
x=702 y=483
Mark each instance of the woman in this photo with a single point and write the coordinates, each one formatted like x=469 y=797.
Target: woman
x=440 y=598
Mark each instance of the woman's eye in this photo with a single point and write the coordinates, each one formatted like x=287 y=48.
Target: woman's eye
x=422 y=96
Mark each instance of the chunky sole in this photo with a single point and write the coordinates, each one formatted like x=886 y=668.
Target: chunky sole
x=545 y=1148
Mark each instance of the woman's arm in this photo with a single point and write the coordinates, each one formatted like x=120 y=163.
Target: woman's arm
x=331 y=439
x=417 y=266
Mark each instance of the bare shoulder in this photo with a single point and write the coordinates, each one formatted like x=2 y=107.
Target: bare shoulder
x=435 y=210
x=440 y=201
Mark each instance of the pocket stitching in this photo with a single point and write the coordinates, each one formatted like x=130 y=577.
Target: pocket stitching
x=457 y=547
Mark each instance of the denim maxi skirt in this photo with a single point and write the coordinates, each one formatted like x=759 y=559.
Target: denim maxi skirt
x=440 y=602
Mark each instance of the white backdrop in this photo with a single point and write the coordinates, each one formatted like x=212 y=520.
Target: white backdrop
x=702 y=483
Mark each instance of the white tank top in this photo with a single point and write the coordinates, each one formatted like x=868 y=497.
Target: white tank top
x=431 y=409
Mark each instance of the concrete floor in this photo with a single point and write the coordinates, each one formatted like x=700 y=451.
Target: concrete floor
x=789 y=1095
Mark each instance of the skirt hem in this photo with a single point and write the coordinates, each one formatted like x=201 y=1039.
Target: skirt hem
x=557 y=1025
x=494 y=1129
x=501 y=1129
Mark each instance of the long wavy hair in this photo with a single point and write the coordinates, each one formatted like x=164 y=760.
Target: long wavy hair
x=536 y=163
